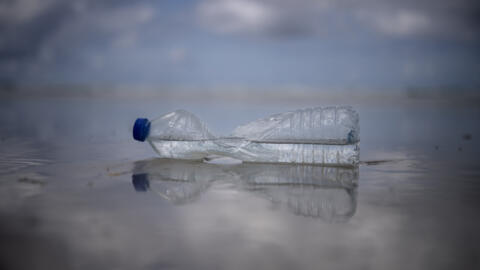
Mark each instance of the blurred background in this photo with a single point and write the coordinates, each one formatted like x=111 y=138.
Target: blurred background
x=242 y=49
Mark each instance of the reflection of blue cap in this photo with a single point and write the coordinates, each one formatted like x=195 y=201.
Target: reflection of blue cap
x=140 y=182
x=141 y=129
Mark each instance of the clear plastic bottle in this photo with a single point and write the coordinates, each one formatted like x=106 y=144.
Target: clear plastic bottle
x=322 y=135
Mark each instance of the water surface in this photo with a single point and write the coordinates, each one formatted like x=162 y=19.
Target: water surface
x=76 y=192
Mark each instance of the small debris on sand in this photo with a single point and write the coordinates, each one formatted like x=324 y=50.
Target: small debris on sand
x=31 y=181
x=377 y=162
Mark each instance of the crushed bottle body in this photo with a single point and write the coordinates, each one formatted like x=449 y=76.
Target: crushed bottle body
x=321 y=125
x=328 y=136
x=340 y=155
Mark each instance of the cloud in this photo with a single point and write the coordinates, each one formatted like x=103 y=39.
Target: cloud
x=398 y=23
x=232 y=16
x=386 y=17
x=117 y=25
x=279 y=18
x=428 y=18
x=39 y=33
x=177 y=55
x=25 y=26
x=21 y=11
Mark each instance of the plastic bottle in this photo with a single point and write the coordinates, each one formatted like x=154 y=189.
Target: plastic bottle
x=322 y=135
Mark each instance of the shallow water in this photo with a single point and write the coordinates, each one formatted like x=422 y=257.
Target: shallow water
x=76 y=192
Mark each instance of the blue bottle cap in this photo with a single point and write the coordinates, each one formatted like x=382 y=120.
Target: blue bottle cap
x=141 y=128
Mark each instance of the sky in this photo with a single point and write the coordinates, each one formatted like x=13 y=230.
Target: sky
x=324 y=43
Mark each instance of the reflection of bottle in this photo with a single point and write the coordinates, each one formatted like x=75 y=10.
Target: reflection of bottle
x=328 y=193
x=327 y=135
x=286 y=174
x=140 y=182
x=175 y=180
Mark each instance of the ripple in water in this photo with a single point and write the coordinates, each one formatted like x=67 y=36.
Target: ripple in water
x=17 y=155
